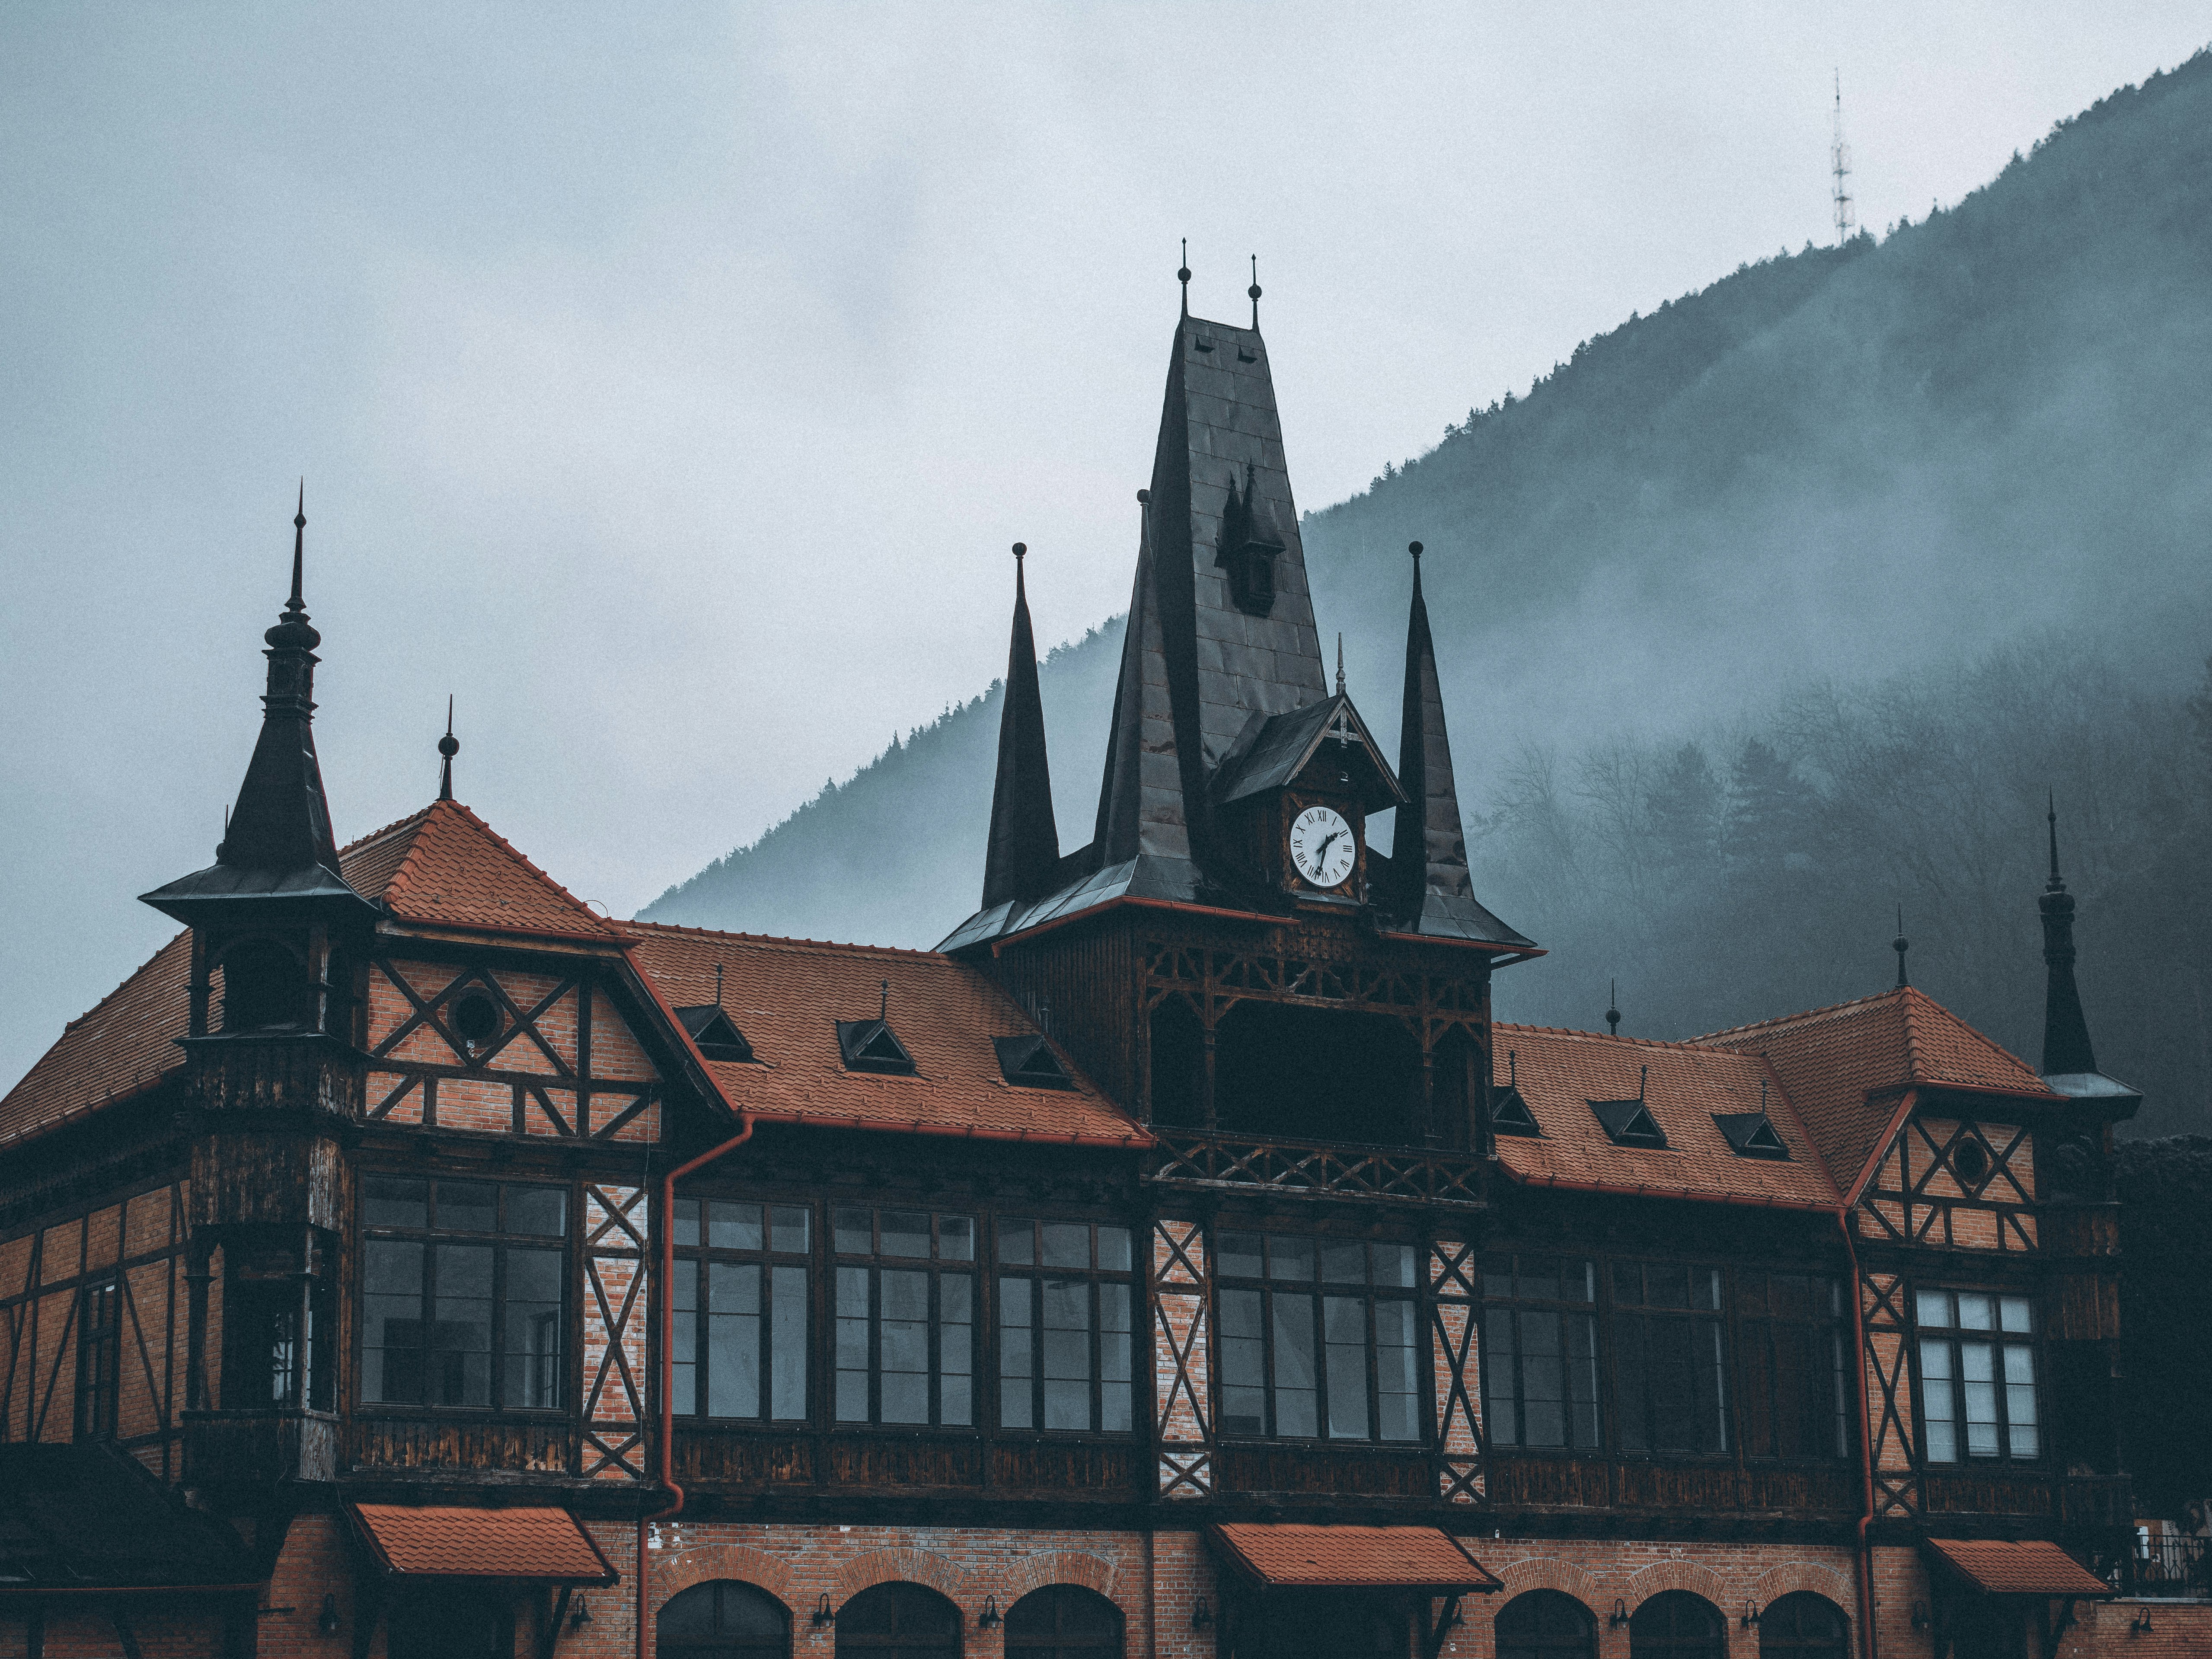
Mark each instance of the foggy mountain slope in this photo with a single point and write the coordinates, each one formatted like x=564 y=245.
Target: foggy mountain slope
x=1831 y=467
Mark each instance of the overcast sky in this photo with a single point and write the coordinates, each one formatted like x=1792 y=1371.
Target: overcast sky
x=669 y=381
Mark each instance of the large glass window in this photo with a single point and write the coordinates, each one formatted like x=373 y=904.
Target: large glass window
x=1318 y=1337
x=278 y=1324
x=740 y=1326
x=1790 y=1327
x=1067 y=1329
x=906 y=1316
x=1539 y=1350
x=1669 y=1358
x=1978 y=1376
x=463 y=1293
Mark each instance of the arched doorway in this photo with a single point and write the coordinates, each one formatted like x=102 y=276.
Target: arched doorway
x=722 y=1619
x=1803 y=1626
x=898 y=1622
x=1676 y=1625
x=1064 y=1621
x=1546 y=1624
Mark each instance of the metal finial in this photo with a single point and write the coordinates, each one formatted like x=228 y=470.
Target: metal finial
x=884 y=1008
x=1643 y=1078
x=1900 y=944
x=1513 y=1068
x=297 y=604
x=1020 y=549
x=1183 y=276
x=449 y=746
x=2057 y=882
x=1339 y=665
x=718 y=985
x=1415 y=548
x=1613 y=1006
x=1254 y=292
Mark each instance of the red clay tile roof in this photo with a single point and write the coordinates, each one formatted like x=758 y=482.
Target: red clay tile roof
x=1340 y=1558
x=124 y=1047
x=1846 y=1067
x=787 y=996
x=1560 y=1072
x=2035 y=1568
x=444 y=1541
x=444 y=866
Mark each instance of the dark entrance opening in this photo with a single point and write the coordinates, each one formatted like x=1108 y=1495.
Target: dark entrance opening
x=1803 y=1626
x=1546 y=1624
x=448 y=1621
x=1337 y=1624
x=1293 y=1073
x=898 y=1622
x=1677 y=1624
x=1064 y=1621
x=1178 y=1066
x=722 y=1619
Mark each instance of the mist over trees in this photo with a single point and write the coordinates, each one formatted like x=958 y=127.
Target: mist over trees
x=1759 y=615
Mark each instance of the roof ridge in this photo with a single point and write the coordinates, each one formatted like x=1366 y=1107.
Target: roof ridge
x=1785 y=1019
x=787 y=940
x=401 y=877
x=1693 y=1043
x=1973 y=1031
x=1906 y=994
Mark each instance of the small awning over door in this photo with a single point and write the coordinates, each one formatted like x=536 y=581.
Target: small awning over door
x=1996 y=1567
x=540 y=1546
x=1353 y=1557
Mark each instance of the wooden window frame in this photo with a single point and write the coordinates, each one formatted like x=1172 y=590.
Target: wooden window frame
x=1010 y=1263
x=1955 y=1336
x=1757 y=1372
x=695 y=1256
x=1316 y=1291
x=937 y=1267
x=1715 y=1316
x=100 y=1359
x=1591 y=1311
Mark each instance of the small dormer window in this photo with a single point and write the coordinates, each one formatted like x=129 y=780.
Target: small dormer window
x=1751 y=1134
x=1028 y=1062
x=1629 y=1123
x=716 y=1033
x=1509 y=1115
x=870 y=1045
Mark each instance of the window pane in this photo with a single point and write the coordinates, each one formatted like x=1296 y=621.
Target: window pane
x=787 y=1229
x=1543 y=1381
x=1343 y=1263
x=1344 y=1334
x=1540 y=1277
x=1396 y=1376
x=1017 y=1352
x=1393 y=1265
x=390 y=1201
x=1667 y=1285
x=852 y=1341
x=956 y=1237
x=1240 y=1254
x=787 y=1342
x=1243 y=1370
x=461 y=1325
x=733 y=1338
x=903 y=1339
x=1114 y=1254
x=1936 y=1403
x=734 y=1226
x=1116 y=1355
x=687 y=1221
x=541 y=1212
x=1932 y=1308
x=683 y=1382
x=906 y=1232
x=2014 y=1314
x=1499 y=1366
x=1294 y=1356
x=467 y=1206
x=956 y=1340
x=852 y=1230
x=1628 y=1283
x=1975 y=1312
x=1581 y=1286
x=1066 y=1341
x=1977 y=1370
x=534 y=1348
x=1582 y=1377
x=1497 y=1277
x=1632 y=1362
x=392 y=1332
x=1017 y=1242
x=2020 y=1402
x=1066 y=1244
x=1290 y=1257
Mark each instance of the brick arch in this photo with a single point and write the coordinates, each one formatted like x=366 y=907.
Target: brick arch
x=677 y=1573
x=1663 y=1576
x=892 y=1566
x=1794 y=1576
x=1061 y=1567
x=1549 y=1572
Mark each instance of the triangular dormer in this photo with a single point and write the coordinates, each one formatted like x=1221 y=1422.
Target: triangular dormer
x=1629 y=1123
x=1750 y=1134
x=1509 y=1115
x=716 y=1033
x=870 y=1045
x=1028 y=1062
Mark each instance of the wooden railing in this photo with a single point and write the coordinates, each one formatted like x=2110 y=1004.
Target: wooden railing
x=1305 y=1170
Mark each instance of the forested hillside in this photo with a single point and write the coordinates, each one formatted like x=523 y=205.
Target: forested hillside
x=1927 y=516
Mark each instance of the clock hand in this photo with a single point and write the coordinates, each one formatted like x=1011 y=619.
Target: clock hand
x=1322 y=851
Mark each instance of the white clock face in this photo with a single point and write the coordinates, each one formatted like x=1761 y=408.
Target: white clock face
x=1322 y=846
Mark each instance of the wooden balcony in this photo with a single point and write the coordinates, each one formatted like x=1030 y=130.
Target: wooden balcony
x=1340 y=1172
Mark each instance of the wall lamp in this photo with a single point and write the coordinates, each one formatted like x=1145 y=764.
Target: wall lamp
x=581 y=1616
x=989 y=1617
x=1201 y=1616
x=821 y=1613
x=326 y=1622
x=1920 y=1615
x=1750 y=1615
x=1619 y=1616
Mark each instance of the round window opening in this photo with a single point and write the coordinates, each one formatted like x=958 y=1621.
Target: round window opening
x=1969 y=1158
x=475 y=1018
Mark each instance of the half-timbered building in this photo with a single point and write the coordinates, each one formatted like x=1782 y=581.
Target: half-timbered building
x=1178 y=1261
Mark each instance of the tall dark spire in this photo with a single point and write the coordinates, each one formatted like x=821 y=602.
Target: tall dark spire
x=449 y=746
x=1900 y=944
x=278 y=842
x=1025 y=847
x=2066 y=1049
x=1183 y=276
x=1254 y=292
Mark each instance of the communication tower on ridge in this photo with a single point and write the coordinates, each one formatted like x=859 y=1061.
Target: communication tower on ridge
x=1839 y=165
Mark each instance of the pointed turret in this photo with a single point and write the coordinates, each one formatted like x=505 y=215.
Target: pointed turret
x=1430 y=889
x=2069 y=1063
x=1025 y=847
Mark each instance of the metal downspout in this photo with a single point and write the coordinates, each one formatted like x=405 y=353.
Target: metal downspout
x=1864 y=1557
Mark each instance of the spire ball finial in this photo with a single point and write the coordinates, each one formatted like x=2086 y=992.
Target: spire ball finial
x=1183 y=276
x=1254 y=292
x=1613 y=1008
x=1900 y=944
x=1020 y=549
x=1415 y=548
x=449 y=746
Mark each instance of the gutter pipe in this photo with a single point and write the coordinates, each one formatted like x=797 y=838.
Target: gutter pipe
x=1864 y=1555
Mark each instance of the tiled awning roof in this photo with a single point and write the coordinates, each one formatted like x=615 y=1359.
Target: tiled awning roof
x=86 y=1518
x=546 y=1546
x=1353 y=1557
x=1996 y=1567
